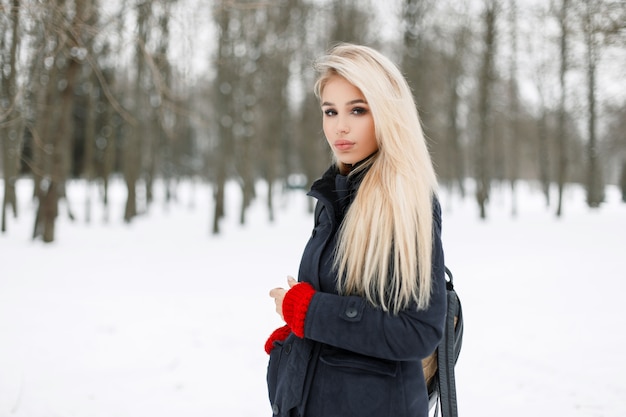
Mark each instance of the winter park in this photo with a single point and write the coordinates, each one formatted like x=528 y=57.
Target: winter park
x=158 y=319
x=155 y=160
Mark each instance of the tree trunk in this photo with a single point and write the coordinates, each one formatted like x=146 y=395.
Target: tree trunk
x=544 y=152
x=11 y=123
x=46 y=123
x=62 y=140
x=134 y=136
x=165 y=119
x=562 y=138
x=454 y=165
x=90 y=144
x=109 y=133
x=111 y=130
x=622 y=181
x=455 y=152
x=57 y=147
x=484 y=109
x=224 y=91
x=514 y=148
x=88 y=168
x=275 y=64
x=595 y=187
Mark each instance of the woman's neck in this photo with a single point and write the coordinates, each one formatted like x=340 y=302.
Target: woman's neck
x=346 y=169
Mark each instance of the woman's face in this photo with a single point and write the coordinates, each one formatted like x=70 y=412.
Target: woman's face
x=347 y=121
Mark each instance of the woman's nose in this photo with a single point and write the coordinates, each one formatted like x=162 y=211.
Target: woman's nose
x=342 y=127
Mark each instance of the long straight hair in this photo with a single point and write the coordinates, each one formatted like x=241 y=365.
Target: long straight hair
x=384 y=249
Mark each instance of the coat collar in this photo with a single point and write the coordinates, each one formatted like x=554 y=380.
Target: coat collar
x=337 y=191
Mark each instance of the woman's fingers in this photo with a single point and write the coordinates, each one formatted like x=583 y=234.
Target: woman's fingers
x=277 y=292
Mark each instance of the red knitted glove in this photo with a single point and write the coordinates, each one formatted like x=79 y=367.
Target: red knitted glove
x=277 y=335
x=295 y=306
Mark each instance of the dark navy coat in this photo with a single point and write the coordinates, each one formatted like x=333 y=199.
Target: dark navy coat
x=355 y=359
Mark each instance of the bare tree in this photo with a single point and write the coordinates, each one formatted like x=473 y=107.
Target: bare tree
x=419 y=60
x=11 y=122
x=88 y=166
x=247 y=128
x=136 y=133
x=455 y=73
x=485 y=82
x=616 y=143
x=89 y=89
x=562 y=135
x=312 y=154
x=64 y=71
x=274 y=63
x=224 y=82
x=594 y=181
x=602 y=23
x=165 y=117
x=514 y=106
x=542 y=76
x=543 y=148
x=114 y=115
x=161 y=119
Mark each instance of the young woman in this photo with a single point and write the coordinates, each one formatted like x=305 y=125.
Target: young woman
x=370 y=301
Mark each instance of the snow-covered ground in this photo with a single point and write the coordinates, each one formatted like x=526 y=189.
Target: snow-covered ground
x=158 y=318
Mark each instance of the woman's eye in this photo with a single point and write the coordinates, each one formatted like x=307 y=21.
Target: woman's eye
x=329 y=112
x=359 y=110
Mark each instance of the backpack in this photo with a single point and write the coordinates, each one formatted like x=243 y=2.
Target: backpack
x=439 y=367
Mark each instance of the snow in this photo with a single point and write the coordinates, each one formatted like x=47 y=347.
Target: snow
x=159 y=318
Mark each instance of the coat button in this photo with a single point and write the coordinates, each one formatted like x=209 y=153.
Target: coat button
x=275 y=409
x=351 y=312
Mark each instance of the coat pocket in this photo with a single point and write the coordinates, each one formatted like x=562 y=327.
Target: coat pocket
x=350 y=384
x=359 y=363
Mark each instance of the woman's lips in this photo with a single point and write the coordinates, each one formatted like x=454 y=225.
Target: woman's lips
x=343 y=145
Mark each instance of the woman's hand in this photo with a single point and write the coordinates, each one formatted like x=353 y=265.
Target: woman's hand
x=278 y=294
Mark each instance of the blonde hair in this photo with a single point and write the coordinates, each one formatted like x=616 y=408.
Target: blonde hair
x=384 y=250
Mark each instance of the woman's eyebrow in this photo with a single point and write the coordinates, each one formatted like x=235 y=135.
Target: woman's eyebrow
x=349 y=103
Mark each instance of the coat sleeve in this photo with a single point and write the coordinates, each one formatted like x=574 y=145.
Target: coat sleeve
x=352 y=323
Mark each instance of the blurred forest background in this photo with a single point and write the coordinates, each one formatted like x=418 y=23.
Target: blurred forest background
x=216 y=91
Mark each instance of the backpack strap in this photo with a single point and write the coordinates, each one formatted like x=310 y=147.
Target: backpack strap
x=448 y=351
